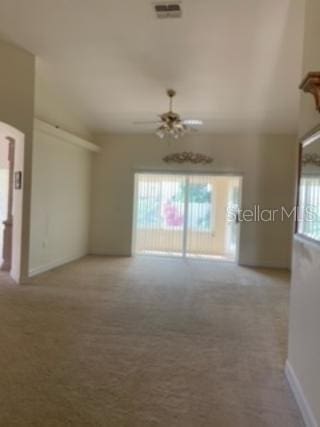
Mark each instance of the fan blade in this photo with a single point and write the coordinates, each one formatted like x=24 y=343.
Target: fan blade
x=150 y=122
x=192 y=122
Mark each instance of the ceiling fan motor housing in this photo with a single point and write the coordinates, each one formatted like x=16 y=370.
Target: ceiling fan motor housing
x=171 y=93
x=170 y=116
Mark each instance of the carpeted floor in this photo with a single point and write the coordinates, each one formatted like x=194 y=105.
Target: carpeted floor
x=146 y=342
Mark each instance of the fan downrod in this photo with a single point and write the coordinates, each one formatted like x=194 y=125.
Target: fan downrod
x=171 y=93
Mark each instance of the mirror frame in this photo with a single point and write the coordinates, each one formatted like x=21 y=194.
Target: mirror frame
x=308 y=139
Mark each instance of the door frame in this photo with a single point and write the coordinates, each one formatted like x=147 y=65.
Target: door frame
x=20 y=238
x=186 y=173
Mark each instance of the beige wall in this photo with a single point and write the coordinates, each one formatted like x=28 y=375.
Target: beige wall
x=17 y=110
x=61 y=185
x=304 y=341
x=52 y=104
x=265 y=161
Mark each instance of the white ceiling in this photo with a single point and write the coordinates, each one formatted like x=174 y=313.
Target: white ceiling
x=236 y=64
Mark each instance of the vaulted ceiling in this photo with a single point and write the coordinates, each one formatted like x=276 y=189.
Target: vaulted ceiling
x=235 y=64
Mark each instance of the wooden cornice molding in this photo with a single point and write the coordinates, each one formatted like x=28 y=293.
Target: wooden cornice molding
x=311 y=84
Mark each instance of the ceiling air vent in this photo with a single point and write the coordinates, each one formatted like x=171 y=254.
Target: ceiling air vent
x=165 y=10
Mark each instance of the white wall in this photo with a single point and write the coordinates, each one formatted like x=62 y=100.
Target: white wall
x=61 y=185
x=53 y=105
x=304 y=336
x=4 y=153
x=266 y=163
x=17 y=110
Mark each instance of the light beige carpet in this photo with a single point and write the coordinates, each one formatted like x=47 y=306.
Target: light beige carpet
x=146 y=342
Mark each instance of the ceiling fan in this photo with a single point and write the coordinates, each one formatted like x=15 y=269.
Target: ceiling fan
x=171 y=123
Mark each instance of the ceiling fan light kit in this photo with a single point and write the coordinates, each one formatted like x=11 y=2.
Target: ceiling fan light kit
x=171 y=124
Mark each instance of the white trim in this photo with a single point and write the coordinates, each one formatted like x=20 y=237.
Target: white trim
x=186 y=216
x=54 y=264
x=305 y=240
x=50 y=130
x=134 y=216
x=311 y=138
x=240 y=201
x=302 y=402
x=193 y=170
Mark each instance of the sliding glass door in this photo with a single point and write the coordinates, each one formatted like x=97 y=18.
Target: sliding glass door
x=185 y=215
x=160 y=208
x=201 y=215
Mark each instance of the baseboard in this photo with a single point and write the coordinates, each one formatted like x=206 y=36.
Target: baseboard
x=302 y=402
x=103 y=253
x=53 y=264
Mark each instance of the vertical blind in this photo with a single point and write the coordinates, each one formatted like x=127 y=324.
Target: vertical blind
x=201 y=212
x=160 y=201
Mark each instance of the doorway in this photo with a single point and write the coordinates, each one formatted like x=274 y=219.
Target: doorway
x=14 y=245
x=186 y=215
x=6 y=202
x=4 y=191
